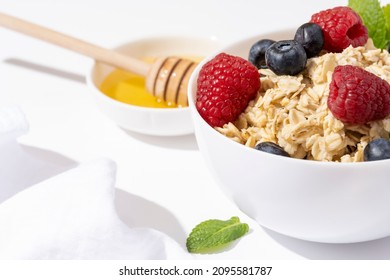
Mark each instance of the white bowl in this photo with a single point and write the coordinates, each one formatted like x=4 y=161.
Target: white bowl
x=317 y=201
x=151 y=121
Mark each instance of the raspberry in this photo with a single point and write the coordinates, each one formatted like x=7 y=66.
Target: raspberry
x=357 y=96
x=226 y=84
x=342 y=27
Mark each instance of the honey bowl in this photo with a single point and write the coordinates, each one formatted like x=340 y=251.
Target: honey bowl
x=122 y=96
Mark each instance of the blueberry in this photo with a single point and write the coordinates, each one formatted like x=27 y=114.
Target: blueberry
x=271 y=148
x=257 y=53
x=310 y=36
x=377 y=149
x=286 y=57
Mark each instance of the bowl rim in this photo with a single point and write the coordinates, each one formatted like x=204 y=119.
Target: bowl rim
x=198 y=118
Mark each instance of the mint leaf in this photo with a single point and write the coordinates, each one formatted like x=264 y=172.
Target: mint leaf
x=373 y=18
x=386 y=13
x=213 y=235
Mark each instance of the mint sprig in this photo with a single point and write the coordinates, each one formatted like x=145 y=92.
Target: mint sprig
x=386 y=13
x=375 y=18
x=213 y=235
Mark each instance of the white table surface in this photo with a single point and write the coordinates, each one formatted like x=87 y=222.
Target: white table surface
x=163 y=178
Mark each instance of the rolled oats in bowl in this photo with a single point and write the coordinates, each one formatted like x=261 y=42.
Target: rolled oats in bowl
x=292 y=111
x=323 y=96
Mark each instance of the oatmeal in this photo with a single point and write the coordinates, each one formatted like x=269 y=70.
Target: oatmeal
x=292 y=111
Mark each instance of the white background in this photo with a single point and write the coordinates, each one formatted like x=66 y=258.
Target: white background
x=162 y=181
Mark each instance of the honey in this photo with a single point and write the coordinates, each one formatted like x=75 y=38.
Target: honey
x=130 y=88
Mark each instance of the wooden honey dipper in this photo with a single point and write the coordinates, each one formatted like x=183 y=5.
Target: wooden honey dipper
x=166 y=78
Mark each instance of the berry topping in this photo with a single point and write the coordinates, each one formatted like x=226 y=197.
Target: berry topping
x=225 y=86
x=271 y=148
x=377 y=149
x=286 y=57
x=310 y=36
x=257 y=53
x=357 y=96
x=341 y=27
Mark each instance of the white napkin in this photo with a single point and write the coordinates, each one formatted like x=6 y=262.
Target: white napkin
x=71 y=215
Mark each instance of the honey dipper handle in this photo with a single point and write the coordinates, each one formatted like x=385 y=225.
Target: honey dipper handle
x=98 y=53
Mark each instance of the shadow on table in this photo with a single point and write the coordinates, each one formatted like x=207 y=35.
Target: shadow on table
x=183 y=142
x=23 y=166
x=370 y=250
x=45 y=69
x=147 y=215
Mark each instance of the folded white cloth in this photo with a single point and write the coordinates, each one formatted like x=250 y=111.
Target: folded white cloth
x=72 y=216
